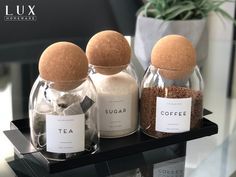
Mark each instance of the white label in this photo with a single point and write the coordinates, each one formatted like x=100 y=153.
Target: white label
x=173 y=115
x=65 y=134
x=114 y=112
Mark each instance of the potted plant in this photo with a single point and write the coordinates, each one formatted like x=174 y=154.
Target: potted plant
x=157 y=18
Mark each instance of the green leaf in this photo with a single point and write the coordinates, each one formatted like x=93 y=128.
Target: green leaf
x=200 y=14
x=202 y=3
x=226 y=15
x=172 y=9
x=162 y=4
x=152 y=13
x=153 y=1
x=188 y=15
x=159 y=17
x=140 y=10
x=146 y=8
x=179 y=11
x=184 y=9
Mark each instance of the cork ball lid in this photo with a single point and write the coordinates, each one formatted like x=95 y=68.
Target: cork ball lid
x=175 y=56
x=65 y=64
x=109 y=52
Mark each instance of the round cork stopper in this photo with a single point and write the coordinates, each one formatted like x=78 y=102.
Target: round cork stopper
x=65 y=64
x=109 y=52
x=175 y=56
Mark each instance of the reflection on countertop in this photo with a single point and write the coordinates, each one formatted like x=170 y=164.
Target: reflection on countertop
x=208 y=156
x=161 y=162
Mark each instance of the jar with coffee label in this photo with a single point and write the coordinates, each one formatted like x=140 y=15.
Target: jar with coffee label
x=62 y=109
x=172 y=89
x=109 y=55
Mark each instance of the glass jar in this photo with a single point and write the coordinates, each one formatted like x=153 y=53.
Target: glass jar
x=170 y=105
x=63 y=124
x=117 y=99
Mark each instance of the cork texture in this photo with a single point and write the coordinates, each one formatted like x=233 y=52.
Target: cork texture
x=108 y=48
x=63 y=62
x=174 y=53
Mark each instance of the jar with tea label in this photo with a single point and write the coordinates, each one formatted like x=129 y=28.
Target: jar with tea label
x=109 y=55
x=62 y=110
x=171 y=90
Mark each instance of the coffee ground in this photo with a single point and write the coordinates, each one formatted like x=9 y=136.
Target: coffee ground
x=148 y=107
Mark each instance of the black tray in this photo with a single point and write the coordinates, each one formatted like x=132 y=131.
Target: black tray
x=109 y=149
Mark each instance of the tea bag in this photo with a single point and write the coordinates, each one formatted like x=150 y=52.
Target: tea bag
x=39 y=122
x=73 y=109
x=68 y=104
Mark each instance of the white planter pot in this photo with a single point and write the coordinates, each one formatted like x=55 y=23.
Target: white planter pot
x=150 y=30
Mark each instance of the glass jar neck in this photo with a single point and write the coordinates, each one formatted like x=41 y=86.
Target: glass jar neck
x=164 y=78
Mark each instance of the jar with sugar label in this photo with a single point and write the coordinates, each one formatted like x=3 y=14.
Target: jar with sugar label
x=62 y=109
x=172 y=89
x=109 y=56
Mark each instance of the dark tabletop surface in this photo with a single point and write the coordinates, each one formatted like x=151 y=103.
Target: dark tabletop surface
x=207 y=156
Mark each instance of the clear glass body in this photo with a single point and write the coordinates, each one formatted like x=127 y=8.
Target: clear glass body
x=68 y=117
x=153 y=109
x=117 y=95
